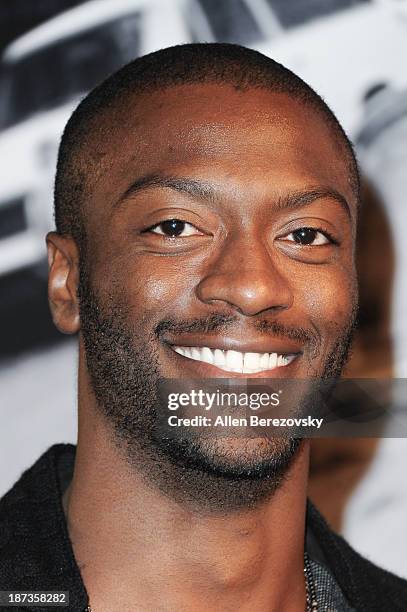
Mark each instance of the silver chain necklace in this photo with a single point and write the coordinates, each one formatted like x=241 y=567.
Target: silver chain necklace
x=311 y=597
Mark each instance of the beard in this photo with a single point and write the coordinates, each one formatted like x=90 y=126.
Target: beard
x=206 y=473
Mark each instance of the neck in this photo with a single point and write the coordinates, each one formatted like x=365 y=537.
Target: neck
x=137 y=547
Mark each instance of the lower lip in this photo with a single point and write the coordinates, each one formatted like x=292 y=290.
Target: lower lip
x=201 y=369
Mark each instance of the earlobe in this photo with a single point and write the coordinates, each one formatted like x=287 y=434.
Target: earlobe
x=63 y=280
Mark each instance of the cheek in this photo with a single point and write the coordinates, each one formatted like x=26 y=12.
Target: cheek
x=157 y=287
x=329 y=297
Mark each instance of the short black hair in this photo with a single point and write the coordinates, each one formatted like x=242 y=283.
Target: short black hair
x=179 y=65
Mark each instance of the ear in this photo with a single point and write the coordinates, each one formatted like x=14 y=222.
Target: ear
x=63 y=282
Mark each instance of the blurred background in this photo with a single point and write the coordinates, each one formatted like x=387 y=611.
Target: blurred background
x=353 y=52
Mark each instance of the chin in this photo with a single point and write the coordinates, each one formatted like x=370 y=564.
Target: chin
x=232 y=457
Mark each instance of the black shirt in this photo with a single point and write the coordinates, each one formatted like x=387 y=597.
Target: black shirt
x=36 y=553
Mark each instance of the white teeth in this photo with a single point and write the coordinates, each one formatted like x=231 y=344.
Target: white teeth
x=206 y=355
x=219 y=358
x=195 y=353
x=251 y=361
x=235 y=361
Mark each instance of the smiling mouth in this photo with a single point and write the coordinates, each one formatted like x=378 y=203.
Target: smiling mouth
x=236 y=361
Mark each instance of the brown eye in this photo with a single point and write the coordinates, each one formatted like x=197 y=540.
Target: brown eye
x=308 y=236
x=174 y=228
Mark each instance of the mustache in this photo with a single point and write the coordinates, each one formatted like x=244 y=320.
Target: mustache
x=223 y=323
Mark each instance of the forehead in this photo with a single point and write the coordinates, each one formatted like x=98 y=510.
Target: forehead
x=252 y=137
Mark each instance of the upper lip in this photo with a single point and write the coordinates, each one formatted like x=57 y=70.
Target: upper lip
x=281 y=346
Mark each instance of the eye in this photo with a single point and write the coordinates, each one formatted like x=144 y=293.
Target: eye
x=309 y=236
x=174 y=228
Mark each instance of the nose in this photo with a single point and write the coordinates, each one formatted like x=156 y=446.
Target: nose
x=245 y=277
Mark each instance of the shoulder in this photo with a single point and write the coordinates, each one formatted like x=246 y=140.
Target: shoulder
x=366 y=586
x=28 y=519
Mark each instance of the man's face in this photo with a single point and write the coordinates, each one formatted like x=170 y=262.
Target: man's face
x=220 y=244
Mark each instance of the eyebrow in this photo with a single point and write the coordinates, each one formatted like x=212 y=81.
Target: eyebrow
x=297 y=199
x=199 y=189
x=209 y=193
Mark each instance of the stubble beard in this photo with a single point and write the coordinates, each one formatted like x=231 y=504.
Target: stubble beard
x=124 y=370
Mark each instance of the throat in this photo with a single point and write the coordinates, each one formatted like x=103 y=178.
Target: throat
x=136 y=546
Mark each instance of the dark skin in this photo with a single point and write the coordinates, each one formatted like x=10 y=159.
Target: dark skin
x=247 y=168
